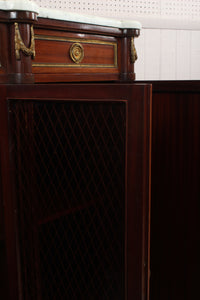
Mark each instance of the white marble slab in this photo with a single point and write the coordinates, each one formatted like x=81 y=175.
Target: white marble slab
x=88 y=19
x=19 y=5
x=67 y=16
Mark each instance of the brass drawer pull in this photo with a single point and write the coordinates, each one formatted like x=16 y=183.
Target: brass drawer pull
x=76 y=52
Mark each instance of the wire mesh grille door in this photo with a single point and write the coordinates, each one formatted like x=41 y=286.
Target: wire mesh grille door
x=69 y=164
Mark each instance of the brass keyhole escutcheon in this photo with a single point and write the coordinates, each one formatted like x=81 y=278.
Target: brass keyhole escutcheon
x=76 y=52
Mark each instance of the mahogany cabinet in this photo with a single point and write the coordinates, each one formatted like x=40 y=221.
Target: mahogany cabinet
x=75 y=144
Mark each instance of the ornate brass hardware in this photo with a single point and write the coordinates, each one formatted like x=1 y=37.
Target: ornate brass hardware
x=19 y=44
x=76 y=52
x=134 y=56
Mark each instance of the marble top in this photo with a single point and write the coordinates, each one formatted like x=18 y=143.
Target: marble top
x=26 y=5
x=19 y=5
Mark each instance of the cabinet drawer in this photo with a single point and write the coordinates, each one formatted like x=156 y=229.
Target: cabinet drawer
x=71 y=54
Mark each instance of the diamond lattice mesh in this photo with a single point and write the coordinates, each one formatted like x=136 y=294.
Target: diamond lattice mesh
x=69 y=162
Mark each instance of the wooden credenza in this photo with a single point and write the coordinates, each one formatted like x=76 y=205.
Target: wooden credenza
x=75 y=135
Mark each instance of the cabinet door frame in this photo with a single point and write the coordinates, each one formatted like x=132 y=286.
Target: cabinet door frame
x=138 y=99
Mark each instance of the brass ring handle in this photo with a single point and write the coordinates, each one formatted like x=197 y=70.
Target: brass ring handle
x=76 y=52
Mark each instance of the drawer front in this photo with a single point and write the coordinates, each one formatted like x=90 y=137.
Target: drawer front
x=73 y=53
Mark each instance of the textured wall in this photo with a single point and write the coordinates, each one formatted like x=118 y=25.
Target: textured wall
x=168 y=54
x=128 y=8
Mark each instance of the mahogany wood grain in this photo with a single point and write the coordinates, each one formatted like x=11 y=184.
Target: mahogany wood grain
x=138 y=181
x=10 y=16
x=93 y=54
x=103 y=50
x=76 y=77
x=77 y=27
x=3 y=268
x=175 y=219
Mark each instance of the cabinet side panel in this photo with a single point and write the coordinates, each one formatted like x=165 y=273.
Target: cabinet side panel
x=8 y=269
x=175 y=190
x=3 y=271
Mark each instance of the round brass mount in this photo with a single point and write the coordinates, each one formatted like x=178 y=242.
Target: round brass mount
x=76 y=52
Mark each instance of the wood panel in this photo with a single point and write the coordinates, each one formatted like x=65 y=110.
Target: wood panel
x=175 y=219
x=3 y=272
x=101 y=54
